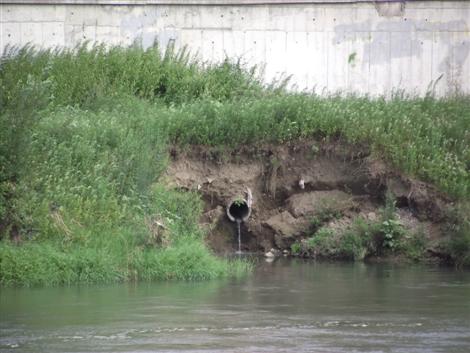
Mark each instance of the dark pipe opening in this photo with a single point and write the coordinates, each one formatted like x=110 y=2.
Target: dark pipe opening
x=239 y=210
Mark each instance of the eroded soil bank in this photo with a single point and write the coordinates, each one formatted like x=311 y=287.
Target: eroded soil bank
x=299 y=189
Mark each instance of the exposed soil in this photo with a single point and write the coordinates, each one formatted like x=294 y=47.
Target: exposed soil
x=292 y=184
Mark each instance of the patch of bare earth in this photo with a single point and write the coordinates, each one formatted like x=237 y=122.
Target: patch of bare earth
x=294 y=187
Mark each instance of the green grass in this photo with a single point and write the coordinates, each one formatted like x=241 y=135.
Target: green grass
x=364 y=238
x=225 y=104
x=88 y=201
x=49 y=263
x=458 y=227
x=83 y=76
x=84 y=135
x=425 y=137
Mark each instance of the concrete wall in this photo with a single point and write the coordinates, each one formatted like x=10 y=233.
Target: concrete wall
x=361 y=47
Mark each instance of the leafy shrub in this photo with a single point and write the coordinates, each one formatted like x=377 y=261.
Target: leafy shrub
x=354 y=246
x=391 y=231
x=387 y=233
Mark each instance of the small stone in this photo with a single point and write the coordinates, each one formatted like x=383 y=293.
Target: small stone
x=372 y=216
x=269 y=254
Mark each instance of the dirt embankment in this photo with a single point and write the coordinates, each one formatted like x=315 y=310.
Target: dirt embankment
x=298 y=188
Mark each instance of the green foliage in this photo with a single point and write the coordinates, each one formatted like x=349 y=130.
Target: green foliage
x=354 y=245
x=296 y=249
x=87 y=74
x=458 y=226
x=362 y=239
x=88 y=206
x=19 y=106
x=225 y=104
x=423 y=137
x=351 y=244
x=323 y=243
x=413 y=245
x=239 y=201
x=324 y=215
x=352 y=58
x=43 y=263
x=389 y=230
x=460 y=247
x=48 y=263
x=86 y=169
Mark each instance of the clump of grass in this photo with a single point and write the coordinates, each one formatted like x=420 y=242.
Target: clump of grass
x=458 y=226
x=323 y=243
x=327 y=212
x=296 y=249
x=413 y=245
x=363 y=238
x=351 y=244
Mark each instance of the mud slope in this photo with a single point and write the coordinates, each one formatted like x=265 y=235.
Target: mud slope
x=291 y=185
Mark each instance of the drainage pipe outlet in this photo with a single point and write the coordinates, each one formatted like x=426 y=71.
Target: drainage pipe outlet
x=239 y=210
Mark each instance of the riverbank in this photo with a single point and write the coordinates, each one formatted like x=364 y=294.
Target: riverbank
x=315 y=198
x=87 y=136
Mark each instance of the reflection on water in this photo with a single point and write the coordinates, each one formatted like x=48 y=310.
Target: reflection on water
x=285 y=306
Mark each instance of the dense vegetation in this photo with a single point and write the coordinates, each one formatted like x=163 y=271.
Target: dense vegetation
x=83 y=143
x=384 y=236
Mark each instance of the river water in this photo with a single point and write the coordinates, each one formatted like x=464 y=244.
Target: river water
x=284 y=306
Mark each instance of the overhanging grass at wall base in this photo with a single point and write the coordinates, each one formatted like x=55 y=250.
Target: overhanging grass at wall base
x=425 y=137
x=226 y=104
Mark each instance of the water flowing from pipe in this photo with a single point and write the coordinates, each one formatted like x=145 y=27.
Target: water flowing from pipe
x=239 y=236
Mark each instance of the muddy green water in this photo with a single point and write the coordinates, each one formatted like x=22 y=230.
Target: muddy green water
x=285 y=306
